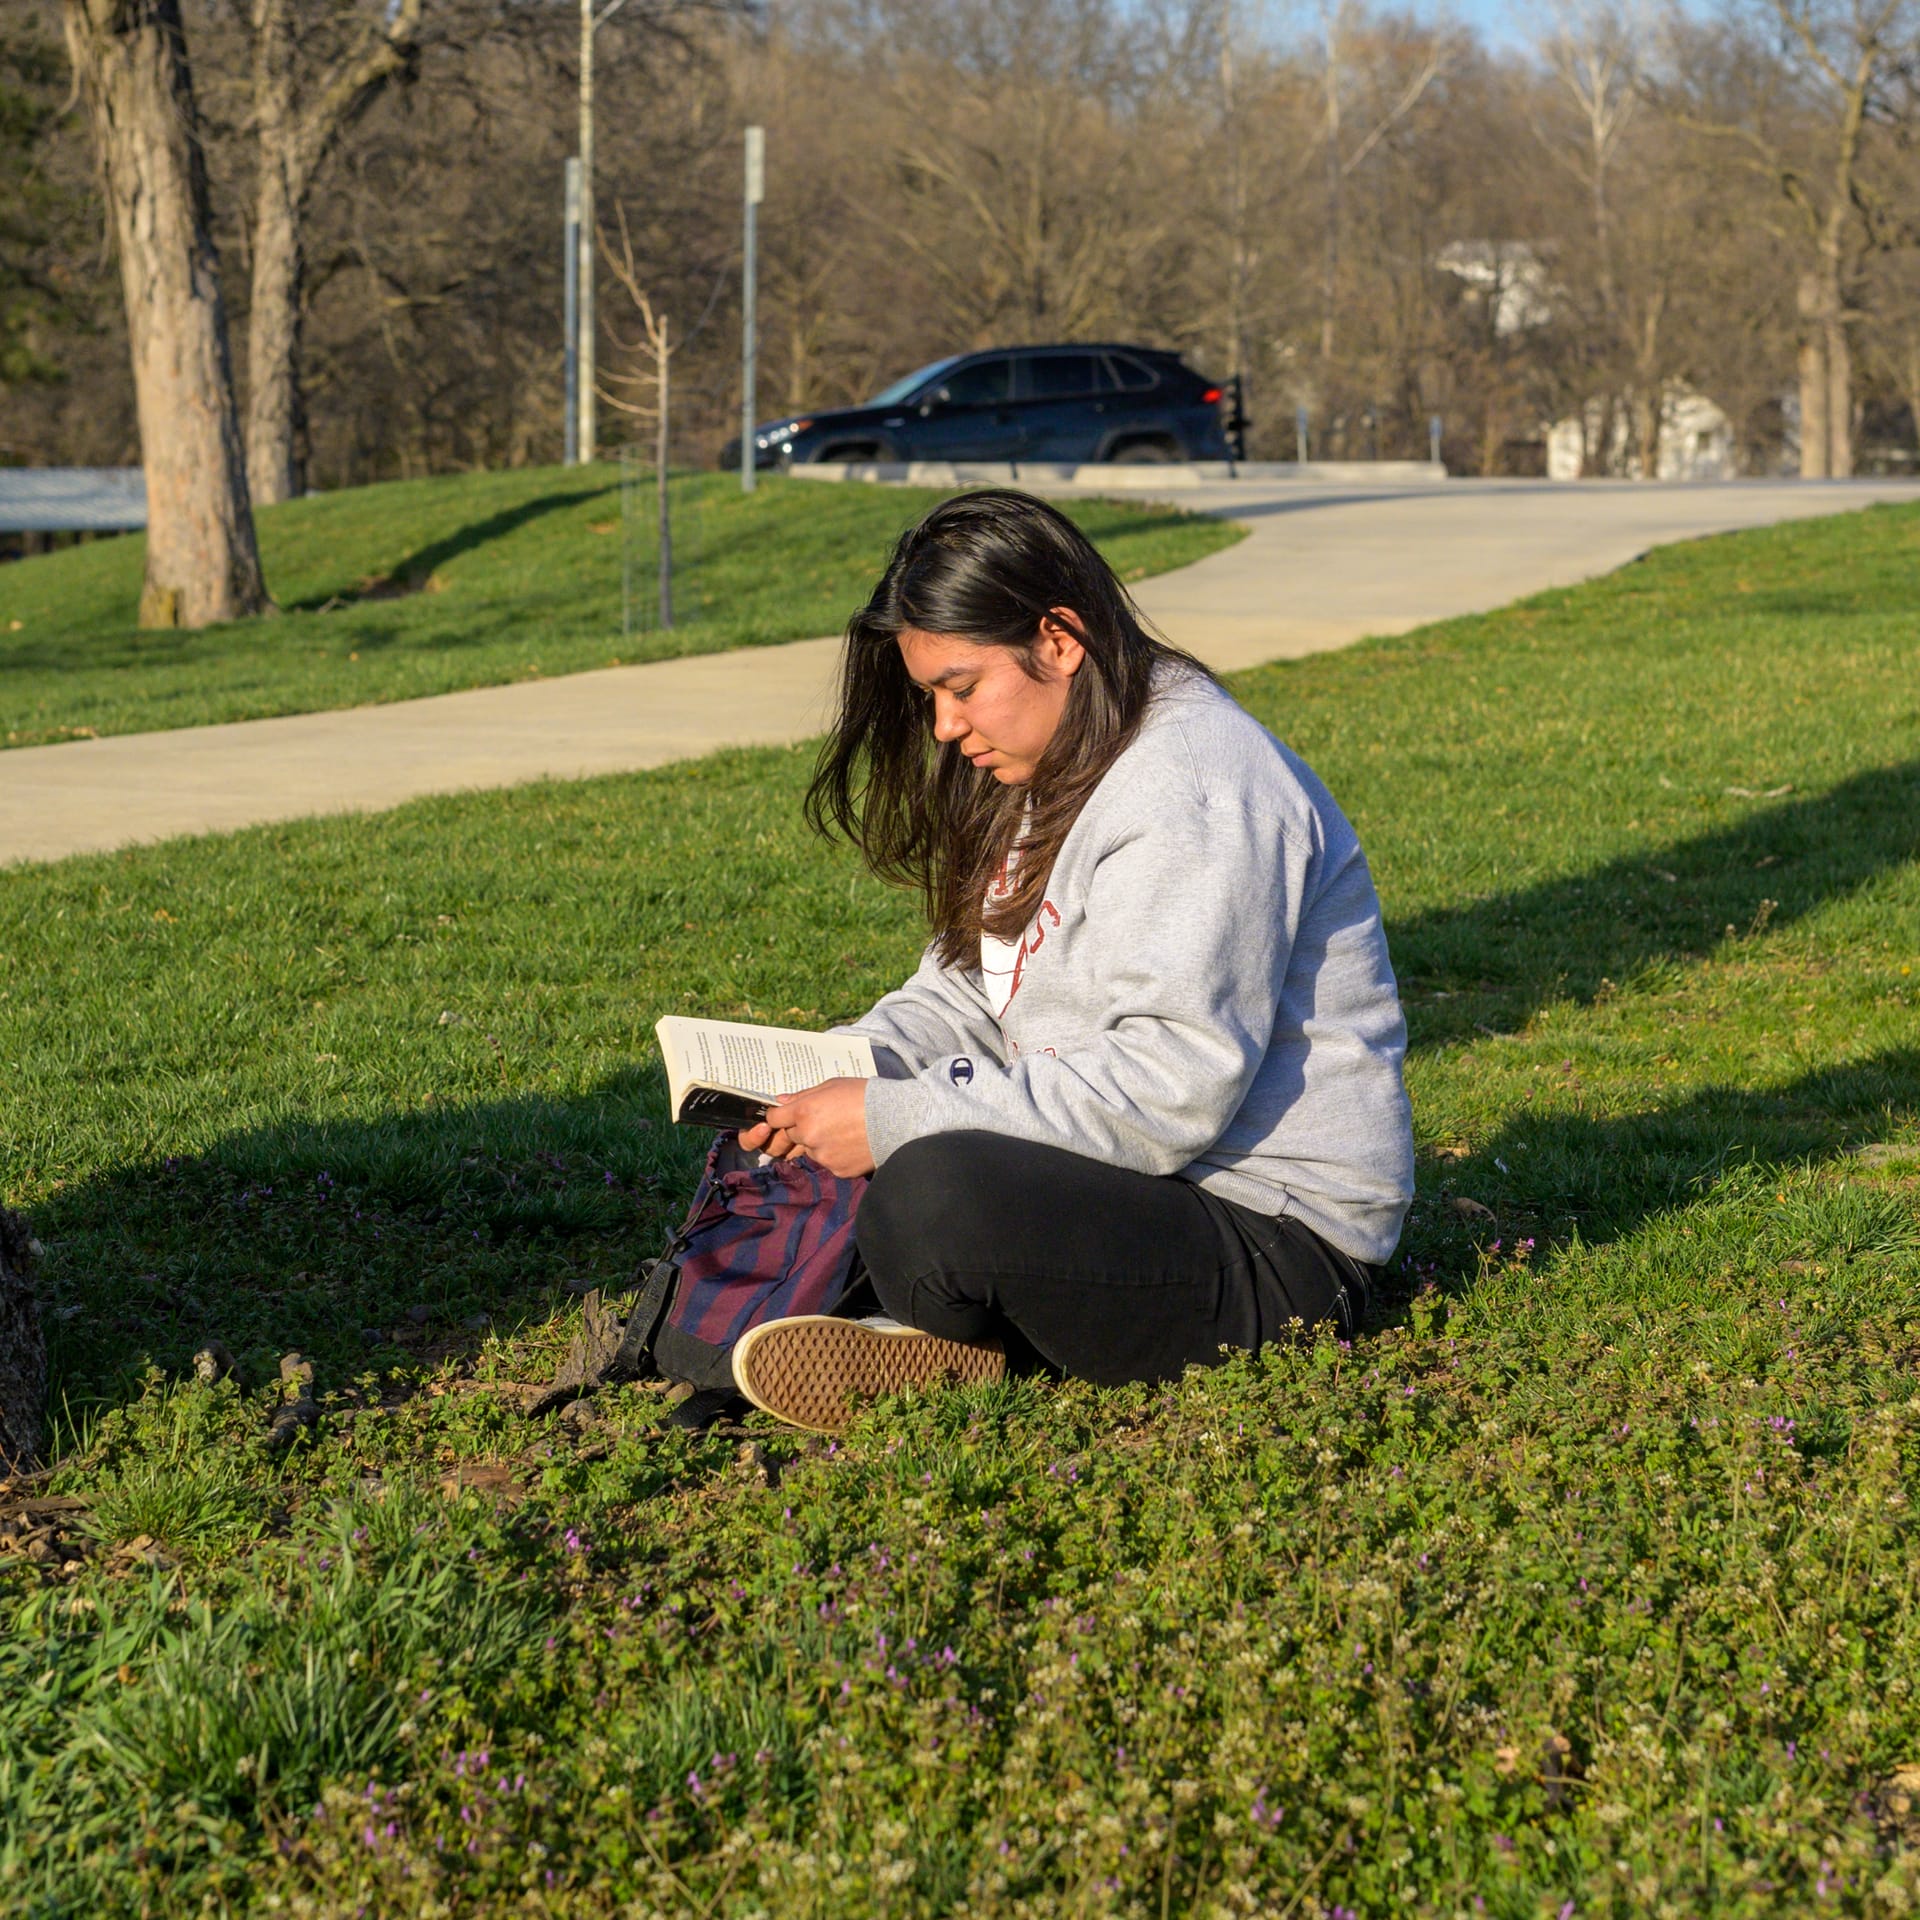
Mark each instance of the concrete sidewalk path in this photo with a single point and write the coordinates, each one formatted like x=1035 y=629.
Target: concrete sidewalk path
x=1325 y=566
x=1321 y=566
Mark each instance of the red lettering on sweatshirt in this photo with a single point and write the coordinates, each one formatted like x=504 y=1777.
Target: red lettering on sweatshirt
x=1035 y=940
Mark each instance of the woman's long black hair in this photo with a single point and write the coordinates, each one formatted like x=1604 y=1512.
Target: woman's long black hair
x=983 y=567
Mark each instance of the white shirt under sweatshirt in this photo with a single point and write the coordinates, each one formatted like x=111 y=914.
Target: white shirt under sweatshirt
x=1204 y=991
x=1000 y=959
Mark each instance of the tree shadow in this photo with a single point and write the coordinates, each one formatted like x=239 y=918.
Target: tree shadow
x=1494 y=962
x=412 y=573
x=1611 y=1173
x=413 y=1237
x=361 y=1241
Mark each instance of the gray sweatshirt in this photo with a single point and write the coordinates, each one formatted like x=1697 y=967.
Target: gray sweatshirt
x=1205 y=992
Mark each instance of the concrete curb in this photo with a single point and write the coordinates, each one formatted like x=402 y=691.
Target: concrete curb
x=1122 y=478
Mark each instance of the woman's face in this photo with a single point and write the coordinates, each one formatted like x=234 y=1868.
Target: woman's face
x=988 y=704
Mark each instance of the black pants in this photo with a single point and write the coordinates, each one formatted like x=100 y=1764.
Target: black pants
x=1107 y=1275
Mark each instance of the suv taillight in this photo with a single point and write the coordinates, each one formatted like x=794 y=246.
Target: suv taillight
x=1208 y=398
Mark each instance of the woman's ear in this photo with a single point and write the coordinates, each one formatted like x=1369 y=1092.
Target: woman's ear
x=1059 y=644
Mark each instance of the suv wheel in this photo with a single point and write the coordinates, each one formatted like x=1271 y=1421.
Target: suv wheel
x=1143 y=453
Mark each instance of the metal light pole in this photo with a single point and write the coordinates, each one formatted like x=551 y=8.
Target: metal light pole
x=590 y=24
x=660 y=483
x=570 y=272
x=756 y=191
x=586 y=376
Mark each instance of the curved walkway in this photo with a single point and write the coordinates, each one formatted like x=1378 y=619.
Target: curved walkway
x=1322 y=566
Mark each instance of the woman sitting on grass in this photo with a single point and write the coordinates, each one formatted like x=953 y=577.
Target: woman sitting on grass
x=1142 y=1100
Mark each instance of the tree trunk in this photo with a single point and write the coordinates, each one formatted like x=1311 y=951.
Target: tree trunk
x=1330 y=236
x=298 y=124
x=275 y=454
x=1839 y=394
x=1826 y=381
x=1910 y=385
x=23 y=1349
x=274 y=315
x=130 y=60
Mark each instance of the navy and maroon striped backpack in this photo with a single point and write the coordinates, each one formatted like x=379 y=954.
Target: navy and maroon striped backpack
x=758 y=1243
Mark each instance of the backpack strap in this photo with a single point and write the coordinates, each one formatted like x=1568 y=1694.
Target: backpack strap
x=606 y=1351
x=633 y=1358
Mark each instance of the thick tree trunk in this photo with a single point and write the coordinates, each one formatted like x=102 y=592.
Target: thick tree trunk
x=23 y=1349
x=130 y=59
x=1839 y=395
x=1826 y=380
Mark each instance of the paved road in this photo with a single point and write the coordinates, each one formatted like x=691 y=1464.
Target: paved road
x=1323 y=565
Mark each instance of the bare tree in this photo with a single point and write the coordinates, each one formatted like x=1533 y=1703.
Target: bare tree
x=1803 y=120
x=1023 y=201
x=649 y=363
x=130 y=63
x=1345 y=203
x=32 y=74
x=1631 y=261
x=312 y=70
x=1591 y=54
x=1341 y=158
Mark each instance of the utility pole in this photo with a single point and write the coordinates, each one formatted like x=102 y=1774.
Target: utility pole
x=756 y=191
x=570 y=272
x=660 y=480
x=587 y=25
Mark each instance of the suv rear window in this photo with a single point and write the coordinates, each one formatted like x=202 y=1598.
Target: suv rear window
x=1065 y=376
x=1131 y=375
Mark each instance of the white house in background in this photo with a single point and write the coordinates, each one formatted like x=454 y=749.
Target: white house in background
x=1696 y=441
x=1510 y=274
x=1510 y=279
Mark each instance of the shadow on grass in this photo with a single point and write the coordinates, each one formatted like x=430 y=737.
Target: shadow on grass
x=330 y=1235
x=412 y=573
x=1611 y=1173
x=359 y=1241
x=362 y=1242
x=1509 y=954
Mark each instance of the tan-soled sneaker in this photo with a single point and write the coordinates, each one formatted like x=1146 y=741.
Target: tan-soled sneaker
x=812 y=1370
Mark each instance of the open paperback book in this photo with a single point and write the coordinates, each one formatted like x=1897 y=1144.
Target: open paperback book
x=721 y=1073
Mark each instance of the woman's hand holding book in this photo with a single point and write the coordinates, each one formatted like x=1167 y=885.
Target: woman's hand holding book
x=827 y=1123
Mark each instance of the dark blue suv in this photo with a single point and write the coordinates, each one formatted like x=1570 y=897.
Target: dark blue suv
x=1067 y=405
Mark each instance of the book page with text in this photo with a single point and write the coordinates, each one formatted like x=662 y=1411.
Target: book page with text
x=772 y=1061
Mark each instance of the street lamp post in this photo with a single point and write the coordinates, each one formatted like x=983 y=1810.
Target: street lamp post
x=584 y=433
x=590 y=24
x=756 y=189
x=571 y=278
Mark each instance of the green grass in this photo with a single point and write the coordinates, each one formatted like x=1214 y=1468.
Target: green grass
x=1583 y=1584
x=425 y=586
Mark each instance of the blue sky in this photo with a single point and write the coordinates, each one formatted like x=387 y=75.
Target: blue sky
x=1505 y=23
x=1501 y=21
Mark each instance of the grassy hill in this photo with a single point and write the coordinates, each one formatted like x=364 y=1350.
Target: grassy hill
x=1582 y=1584
x=470 y=580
